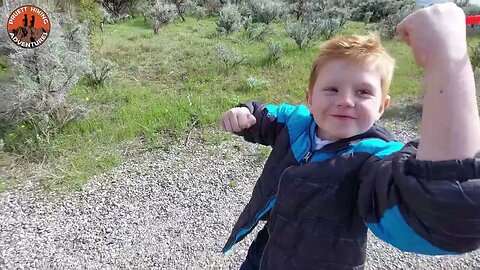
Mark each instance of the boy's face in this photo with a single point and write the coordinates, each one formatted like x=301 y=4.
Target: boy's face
x=346 y=99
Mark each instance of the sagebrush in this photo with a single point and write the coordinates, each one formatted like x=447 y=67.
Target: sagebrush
x=230 y=19
x=43 y=76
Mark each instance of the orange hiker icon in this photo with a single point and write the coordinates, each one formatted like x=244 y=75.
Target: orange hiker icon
x=28 y=33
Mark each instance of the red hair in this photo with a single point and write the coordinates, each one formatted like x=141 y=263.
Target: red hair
x=360 y=49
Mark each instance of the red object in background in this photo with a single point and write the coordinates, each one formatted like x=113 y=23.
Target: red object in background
x=474 y=19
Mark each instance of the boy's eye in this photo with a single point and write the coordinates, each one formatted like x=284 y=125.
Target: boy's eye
x=331 y=89
x=363 y=92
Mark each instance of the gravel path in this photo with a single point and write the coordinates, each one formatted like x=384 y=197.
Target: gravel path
x=160 y=210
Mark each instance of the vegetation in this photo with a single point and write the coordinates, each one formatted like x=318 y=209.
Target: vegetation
x=149 y=91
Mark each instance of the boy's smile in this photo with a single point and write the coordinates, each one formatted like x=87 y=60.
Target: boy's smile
x=346 y=99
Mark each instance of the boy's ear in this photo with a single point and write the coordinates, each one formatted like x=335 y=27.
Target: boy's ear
x=308 y=97
x=385 y=104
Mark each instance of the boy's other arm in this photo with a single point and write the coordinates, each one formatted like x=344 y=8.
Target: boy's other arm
x=237 y=119
x=450 y=126
x=426 y=207
x=255 y=122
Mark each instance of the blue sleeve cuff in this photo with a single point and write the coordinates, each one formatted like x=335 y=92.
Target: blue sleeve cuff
x=393 y=229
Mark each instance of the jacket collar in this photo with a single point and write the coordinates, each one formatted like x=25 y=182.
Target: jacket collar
x=376 y=131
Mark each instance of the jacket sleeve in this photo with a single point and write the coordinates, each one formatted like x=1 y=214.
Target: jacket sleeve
x=425 y=207
x=271 y=119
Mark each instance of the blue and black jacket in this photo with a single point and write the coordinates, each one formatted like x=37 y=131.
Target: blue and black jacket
x=320 y=204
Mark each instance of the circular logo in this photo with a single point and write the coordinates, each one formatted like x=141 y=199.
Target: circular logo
x=28 y=26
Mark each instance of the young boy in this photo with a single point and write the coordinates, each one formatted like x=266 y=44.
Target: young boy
x=332 y=173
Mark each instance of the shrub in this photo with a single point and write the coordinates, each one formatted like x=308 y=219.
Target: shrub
x=471 y=9
x=37 y=95
x=376 y=9
x=258 y=31
x=33 y=136
x=245 y=11
x=302 y=32
x=387 y=26
x=329 y=28
x=43 y=75
x=331 y=20
x=143 y=9
x=368 y=17
x=119 y=8
x=182 y=7
x=100 y=72
x=91 y=13
x=162 y=14
x=299 y=7
x=247 y=23
x=237 y=2
x=265 y=11
x=475 y=56
x=212 y=7
x=200 y=12
x=462 y=3
x=230 y=19
x=253 y=83
x=274 y=52
x=229 y=58
x=324 y=18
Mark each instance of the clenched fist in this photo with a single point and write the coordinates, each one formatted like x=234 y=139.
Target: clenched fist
x=437 y=35
x=237 y=119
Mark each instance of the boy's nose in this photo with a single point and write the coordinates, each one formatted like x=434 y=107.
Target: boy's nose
x=345 y=100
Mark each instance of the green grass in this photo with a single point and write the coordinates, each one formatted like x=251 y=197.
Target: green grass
x=7 y=184
x=5 y=74
x=167 y=83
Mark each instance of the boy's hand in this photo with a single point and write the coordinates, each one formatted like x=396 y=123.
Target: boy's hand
x=437 y=35
x=237 y=119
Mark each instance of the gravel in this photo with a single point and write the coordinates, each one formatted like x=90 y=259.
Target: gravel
x=160 y=210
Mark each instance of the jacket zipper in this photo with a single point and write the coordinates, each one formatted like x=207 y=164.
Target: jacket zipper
x=309 y=154
x=306 y=158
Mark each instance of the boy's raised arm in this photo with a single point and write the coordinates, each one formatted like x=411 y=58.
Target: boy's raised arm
x=425 y=198
x=450 y=126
